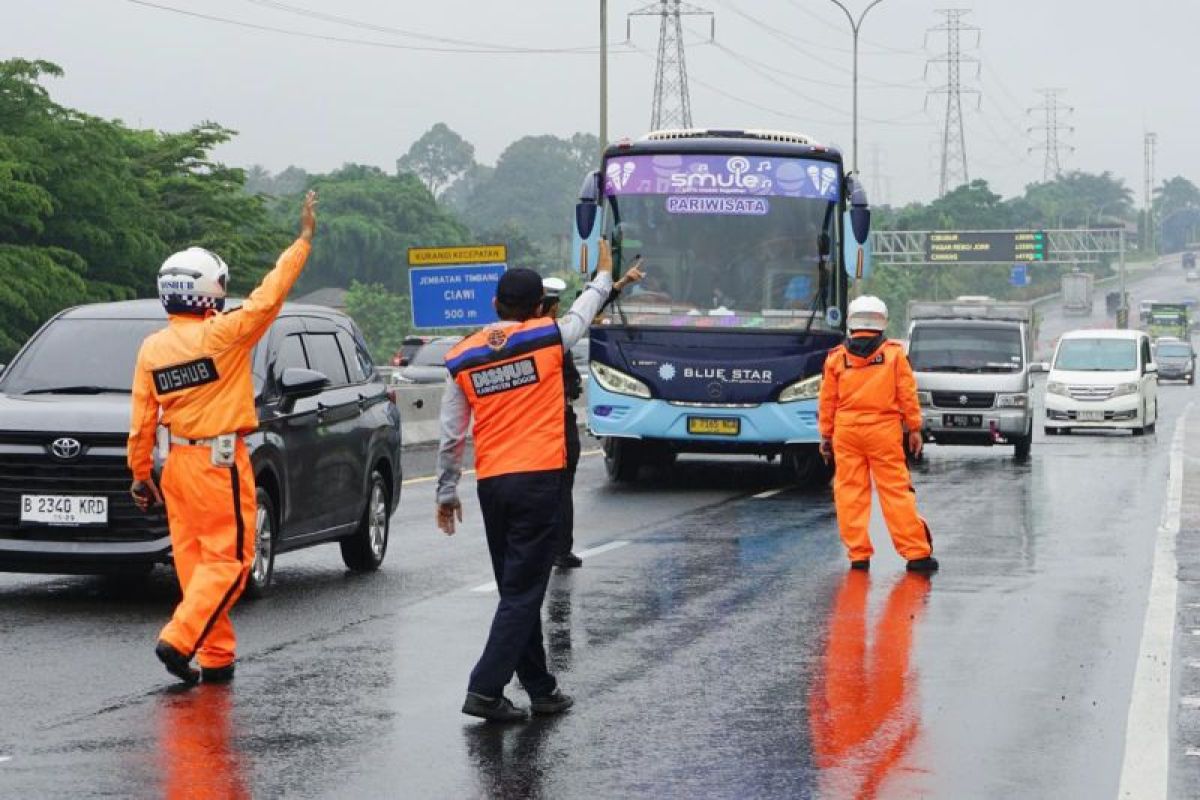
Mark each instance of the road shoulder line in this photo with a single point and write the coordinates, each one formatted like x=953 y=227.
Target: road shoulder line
x=1145 y=768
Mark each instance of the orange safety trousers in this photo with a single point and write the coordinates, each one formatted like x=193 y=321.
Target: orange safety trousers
x=874 y=452
x=211 y=511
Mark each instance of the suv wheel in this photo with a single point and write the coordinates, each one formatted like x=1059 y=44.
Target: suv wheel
x=363 y=551
x=262 y=570
x=1022 y=445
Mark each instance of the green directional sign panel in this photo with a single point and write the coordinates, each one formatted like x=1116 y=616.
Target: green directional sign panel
x=986 y=247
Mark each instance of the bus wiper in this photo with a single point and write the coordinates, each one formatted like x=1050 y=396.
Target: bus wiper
x=79 y=389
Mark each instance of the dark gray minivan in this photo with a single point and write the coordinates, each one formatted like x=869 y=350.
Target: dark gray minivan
x=326 y=455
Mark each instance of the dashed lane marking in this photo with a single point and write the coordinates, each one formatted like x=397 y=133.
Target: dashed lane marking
x=1146 y=766
x=5 y=759
x=1190 y=702
x=428 y=478
x=769 y=493
x=490 y=586
x=1193 y=751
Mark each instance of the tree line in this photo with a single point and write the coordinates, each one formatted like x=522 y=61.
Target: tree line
x=90 y=207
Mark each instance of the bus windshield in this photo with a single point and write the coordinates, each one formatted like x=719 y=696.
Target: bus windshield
x=726 y=241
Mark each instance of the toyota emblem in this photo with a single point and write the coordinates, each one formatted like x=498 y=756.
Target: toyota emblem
x=65 y=448
x=962 y=400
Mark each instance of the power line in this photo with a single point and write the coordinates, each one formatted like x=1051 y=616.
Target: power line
x=954 y=170
x=1050 y=128
x=361 y=42
x=672 y=105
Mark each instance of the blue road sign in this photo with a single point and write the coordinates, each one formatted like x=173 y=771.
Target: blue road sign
x=453 y=296
x=1020 y=275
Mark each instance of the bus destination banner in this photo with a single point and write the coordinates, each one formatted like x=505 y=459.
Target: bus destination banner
x=986 y=247
x=723 y=176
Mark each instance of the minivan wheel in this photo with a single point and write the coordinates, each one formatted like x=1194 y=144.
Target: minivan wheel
x=363 y=551
x=1021 y=447
x=262 y=569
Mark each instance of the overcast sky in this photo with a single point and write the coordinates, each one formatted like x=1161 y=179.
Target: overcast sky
x=1126 y=68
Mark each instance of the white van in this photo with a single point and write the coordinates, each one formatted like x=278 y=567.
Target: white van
x=1102 y=379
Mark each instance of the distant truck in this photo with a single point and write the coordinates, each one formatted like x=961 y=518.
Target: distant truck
x=1077 y=292
x=1168 y=319
x=972 y=358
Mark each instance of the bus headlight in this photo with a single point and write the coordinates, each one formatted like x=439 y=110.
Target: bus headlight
x=1012 y=401
x=1055 y=387
x=618 y=382
x=806 y=389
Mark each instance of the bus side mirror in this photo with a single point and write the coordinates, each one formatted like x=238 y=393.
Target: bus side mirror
x=856 y=227
x=585 y=236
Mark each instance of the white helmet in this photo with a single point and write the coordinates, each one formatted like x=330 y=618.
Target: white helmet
x=192 y=281
x=554 y=287
x=867 y=313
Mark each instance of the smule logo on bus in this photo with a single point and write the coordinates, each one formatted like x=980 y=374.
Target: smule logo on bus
x=505 y=377
x=737 y=177
x=724 y=375
x=719 y=206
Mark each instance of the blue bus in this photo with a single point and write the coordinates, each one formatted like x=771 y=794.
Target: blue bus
x=745 y=237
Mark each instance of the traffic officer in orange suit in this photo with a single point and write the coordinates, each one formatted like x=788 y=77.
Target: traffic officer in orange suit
x=868 y=395
x=193 y=377
x=509 y=376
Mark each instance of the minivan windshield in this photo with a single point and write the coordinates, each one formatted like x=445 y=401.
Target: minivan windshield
x=962 y=348
x=1097 y=355
x=80 y=356
x=1175 y=350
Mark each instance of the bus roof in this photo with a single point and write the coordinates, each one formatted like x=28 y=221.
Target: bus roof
x=725 y=140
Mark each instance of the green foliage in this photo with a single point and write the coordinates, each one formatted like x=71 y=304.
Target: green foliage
x=368 y=220
x=438 y=158
x=384 y=317
x=89 y=208
x=1175 y=194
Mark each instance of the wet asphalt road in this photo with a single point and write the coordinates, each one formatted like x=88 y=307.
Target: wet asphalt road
x=718 y=648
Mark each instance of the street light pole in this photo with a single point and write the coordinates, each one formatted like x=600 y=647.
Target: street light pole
x=603 y=76
x=855 y=26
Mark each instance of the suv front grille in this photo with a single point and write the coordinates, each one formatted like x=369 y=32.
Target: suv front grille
x=24 y=473
x=964 y=399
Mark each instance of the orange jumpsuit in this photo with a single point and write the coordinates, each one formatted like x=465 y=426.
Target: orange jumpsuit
x=863 y=403
x=196 y=372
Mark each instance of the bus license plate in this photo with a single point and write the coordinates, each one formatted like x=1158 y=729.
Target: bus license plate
x=962 y=420
x=1090 y=416
x=63 y=509
x=715 y=426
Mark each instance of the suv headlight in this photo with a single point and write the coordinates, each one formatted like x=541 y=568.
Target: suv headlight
x=806 y=389
x=1012 y=401
x=1124 y=389
x=1056 y=387
x=925 y=399
x=618 y=382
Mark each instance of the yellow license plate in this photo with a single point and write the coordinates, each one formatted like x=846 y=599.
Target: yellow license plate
x=715 y=426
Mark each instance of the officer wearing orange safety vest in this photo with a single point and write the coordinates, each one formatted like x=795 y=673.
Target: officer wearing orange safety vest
x=868 y=395
x=509 y=376
x=193 y=377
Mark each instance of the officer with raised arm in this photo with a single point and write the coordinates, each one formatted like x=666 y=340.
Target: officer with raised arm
x=509 y=376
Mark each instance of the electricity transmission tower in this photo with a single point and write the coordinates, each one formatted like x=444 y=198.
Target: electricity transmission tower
x=1051 y=129
x=954 y=171
x=672 y=105
x=1150 y=143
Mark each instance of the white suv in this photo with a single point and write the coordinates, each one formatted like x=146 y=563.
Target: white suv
x=1102 y=379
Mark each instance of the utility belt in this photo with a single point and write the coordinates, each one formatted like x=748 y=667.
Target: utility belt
x=222 y=447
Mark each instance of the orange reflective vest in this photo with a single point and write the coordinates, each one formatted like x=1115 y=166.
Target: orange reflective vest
x=862 y=391
x=197 y=370
x=512 y=376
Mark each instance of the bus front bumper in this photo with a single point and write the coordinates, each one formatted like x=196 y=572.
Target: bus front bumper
x=770 y=424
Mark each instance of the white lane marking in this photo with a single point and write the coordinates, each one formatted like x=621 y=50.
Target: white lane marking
x=769 y=493
x=427 y=478
x=1194 y=664
x=1146 y=765
x=1193 y=751
x=490 y=586
x=1190 y=702
x=3 y=759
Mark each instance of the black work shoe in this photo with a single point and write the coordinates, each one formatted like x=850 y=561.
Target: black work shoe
x=555 y=703
x=568 y=561
x=863 y=564
x=494 y=709
x=927 y=564
x=176 y=663
x=217 y=674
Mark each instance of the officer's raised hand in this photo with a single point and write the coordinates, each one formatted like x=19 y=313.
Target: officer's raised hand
x=308 y=216
x=604 y=263
x=447 y=513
